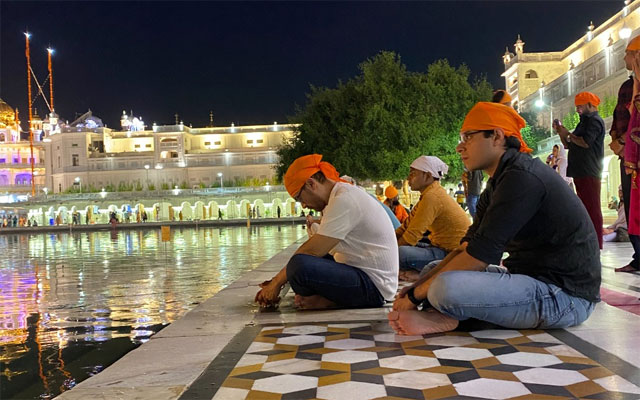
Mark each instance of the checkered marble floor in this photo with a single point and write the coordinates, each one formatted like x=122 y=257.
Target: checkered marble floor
x=357 y=361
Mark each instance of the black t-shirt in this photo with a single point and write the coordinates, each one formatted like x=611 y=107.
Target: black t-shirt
x=529 y=211
x=582 y=162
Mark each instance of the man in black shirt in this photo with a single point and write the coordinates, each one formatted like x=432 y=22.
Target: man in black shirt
x=586 y=151
x=552 y=274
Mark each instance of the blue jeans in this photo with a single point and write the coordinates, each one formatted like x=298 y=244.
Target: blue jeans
x=343 y=284
x=416 y=257
x=511 y=301
x=472 y=202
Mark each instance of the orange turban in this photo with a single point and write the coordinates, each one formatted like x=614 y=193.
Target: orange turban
x=583 y=98
x=303 y=167
x=634 y=44
x=506 y=97
x=390 y=192
x=487 y=116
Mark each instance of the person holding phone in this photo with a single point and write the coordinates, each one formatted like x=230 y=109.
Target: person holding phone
x=586 y=151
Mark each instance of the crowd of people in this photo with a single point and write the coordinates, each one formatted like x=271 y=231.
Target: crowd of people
x=547 y=218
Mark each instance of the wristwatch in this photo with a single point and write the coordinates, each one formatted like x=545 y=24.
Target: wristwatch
x=412 y=297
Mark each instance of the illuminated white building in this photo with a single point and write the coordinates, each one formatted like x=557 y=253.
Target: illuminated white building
x=547 y=82
x=87 y=154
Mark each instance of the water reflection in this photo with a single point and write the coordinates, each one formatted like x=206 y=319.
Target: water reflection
x=71 y=304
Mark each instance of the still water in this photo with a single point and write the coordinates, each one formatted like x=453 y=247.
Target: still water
x=72 y=304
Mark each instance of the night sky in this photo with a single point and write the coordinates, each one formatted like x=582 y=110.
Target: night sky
x=252 y=62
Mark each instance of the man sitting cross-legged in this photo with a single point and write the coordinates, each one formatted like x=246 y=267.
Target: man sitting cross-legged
x=435 y=217
x=362 y=268
x=552 y=275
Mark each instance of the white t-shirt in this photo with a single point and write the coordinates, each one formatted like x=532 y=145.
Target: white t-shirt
x=367 y=238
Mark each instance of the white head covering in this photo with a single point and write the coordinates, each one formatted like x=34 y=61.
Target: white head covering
x=348 y=179
x=432 y=164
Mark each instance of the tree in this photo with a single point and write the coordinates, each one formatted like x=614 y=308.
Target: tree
x=375 y=124
x=533 y=133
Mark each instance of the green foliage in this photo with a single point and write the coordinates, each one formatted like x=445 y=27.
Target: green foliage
x=151 y=186
x=138 y=186
x=533 y=133
x=570 y=121
x=184 y=185
x=164 y=186
x=110 y=187
x=607 y=106
x=375 y=124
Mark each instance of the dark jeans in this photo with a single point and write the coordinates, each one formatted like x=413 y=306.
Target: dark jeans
x=588 y=189
x=343 y=284
x=626 y=195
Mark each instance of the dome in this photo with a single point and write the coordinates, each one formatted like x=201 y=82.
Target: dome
x=5 y=108
x=7 y=114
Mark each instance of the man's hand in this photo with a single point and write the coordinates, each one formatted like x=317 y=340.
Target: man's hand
x=269 y=294
x=606 y=231
x=403 y=304
x=309 y=221
x=628 y=171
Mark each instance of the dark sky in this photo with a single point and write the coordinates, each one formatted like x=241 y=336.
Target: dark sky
x=252 y=62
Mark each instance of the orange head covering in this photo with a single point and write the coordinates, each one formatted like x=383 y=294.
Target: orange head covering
x=303 y=167
x=583 y=98
x=390 y=192
x=486 y=116
x=506 y=97
x=634 y=44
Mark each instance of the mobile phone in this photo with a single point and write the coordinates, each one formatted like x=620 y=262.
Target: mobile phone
x=557 y=122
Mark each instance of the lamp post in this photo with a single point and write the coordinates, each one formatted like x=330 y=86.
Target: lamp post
x=541 y=104
x=158 y=167
x=79 y=182
x=220 y=176
x=146 y=167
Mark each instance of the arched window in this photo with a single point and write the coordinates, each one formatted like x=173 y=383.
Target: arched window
x=531 y=74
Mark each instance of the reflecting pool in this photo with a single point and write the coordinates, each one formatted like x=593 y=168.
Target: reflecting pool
x=71 y=304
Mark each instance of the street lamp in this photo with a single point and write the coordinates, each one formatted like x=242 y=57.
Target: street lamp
x=146 y=166
x=220 y=176
x=77 y=180
x=541 y=104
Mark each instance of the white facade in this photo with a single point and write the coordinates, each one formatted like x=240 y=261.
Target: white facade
x=85 y=154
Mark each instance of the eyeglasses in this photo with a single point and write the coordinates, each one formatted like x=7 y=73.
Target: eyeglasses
x=297 y=198
x=465 y=136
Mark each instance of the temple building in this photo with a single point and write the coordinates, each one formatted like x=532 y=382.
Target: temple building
x=15 y=153
x=87 y=154
x=547 y=82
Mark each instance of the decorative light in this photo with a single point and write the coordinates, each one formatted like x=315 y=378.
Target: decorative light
x=158 y=166
x=146 y=166
x=625 y=32
x=539 y=103
x=50 y=50
x=27 y=34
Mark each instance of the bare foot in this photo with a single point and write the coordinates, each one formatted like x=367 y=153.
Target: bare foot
x=315 y=302
x=408 y=275
x=626 y=268
x=413 y=322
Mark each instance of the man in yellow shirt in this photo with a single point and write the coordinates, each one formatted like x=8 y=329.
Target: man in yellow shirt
x=435 y=225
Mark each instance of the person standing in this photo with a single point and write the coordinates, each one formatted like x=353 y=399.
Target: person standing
x=474 y=188
x=626 y=148
x=586 y=151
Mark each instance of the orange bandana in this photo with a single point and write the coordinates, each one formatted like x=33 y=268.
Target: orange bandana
x=634 y=44
x=390 y=192
x=303 y=167
x=587 y=97
x=487 y=116
x=506 y=98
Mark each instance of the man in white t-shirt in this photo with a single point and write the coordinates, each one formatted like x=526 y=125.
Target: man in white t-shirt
x=363 y=268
